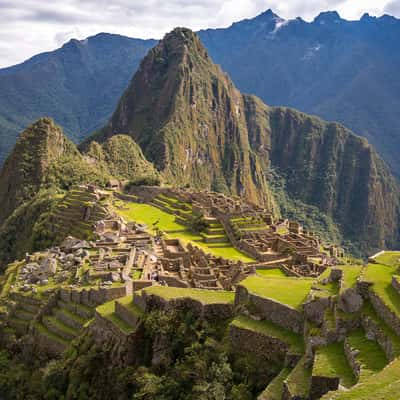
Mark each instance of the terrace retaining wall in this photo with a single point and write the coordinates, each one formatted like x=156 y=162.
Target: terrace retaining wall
x=261 y=346
x=384 y=312
x=271 y=310
x=373 y=332
x=321 y=385
x=150 y=302
x=124 y=349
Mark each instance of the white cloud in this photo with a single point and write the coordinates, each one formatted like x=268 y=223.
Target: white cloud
x=32 y=26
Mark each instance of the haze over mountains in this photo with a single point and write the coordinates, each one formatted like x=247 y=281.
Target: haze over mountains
x=341 y=70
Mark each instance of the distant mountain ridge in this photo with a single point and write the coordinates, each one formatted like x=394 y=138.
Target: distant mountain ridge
x=77 y=85
x=345 y=71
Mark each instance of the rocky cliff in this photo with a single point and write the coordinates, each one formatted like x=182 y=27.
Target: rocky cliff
x=189 y=120
x=326 y=165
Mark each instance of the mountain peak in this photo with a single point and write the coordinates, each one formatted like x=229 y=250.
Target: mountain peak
x=268 y=14
x=328 y=17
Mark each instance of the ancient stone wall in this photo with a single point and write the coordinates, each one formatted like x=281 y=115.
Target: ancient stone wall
x=271 y=310
x=354 y=364
x=124 y=349
x=384 y=312
x=373 y=332
x=207 y=311
x=321 y=385
x=126 y=315
x=263 y=347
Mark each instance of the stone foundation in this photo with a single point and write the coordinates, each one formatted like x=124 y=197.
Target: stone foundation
x=271 y=310
x=263 y=347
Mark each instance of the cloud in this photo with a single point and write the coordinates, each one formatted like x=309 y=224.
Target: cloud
x=32 y=26
x=393 y=7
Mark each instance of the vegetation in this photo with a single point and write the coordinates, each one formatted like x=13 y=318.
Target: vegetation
x=268 y=328
x=330 y=361
x=155 y=218
x=276 y=289
x=381 y=277
x=369 y=354
x=385 y=385
x=203 y=295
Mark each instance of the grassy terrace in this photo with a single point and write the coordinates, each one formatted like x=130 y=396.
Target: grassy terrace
x=274 y=390
x=330 y=361
x=385 y=385
x=381 y=276
x=128 y=303
x=107 y=310
x=350 y=275
x=391 y=258
x=274 y=272
x=370 y=356
x=369 y=311
x=147 y=214
x=299 y=380
x=202 y=295
x=269 y=329
x=290 y=291
x=44 y=331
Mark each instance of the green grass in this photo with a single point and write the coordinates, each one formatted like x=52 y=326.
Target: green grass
x=290 y=291
x=61 y=326
x=268 y=328
x=202 y=295
x=44 y=331
x=371 y=357
x=381 y=277
x=137 y=274
x=385 y=385
x=128 y=303
x=299 y=380
x=147 y=214
x=391 y=258
x=274 y=390
x=369 y=311
x=107 y=310
x=73 y=316
x=330 y=361
x=350 y=275
x=275 y=272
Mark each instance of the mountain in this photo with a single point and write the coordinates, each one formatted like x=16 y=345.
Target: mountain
x=43 y=165
x=345 y=71
x=340 y=70
x=326 y=165
x=188 y=118
x=77 y=85
x=200 y=131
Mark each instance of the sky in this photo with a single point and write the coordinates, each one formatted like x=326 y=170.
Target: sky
x=29 y=27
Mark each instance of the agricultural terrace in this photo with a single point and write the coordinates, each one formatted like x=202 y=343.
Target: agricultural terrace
x=286 y=290
x=202 y=295
x=149 y=215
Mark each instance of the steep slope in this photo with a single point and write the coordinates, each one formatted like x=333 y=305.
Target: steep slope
x=198 y=129
x=78 y=85
x=188 y=118
x=326 y=165
x=42 y=157
x=340 y=70
x=121 y=157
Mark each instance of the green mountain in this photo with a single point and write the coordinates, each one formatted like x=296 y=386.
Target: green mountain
x=326 y=165
x=189 y=120
x=340 y=70
x=42 y=167
x=77 y=85
x=199 y=130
